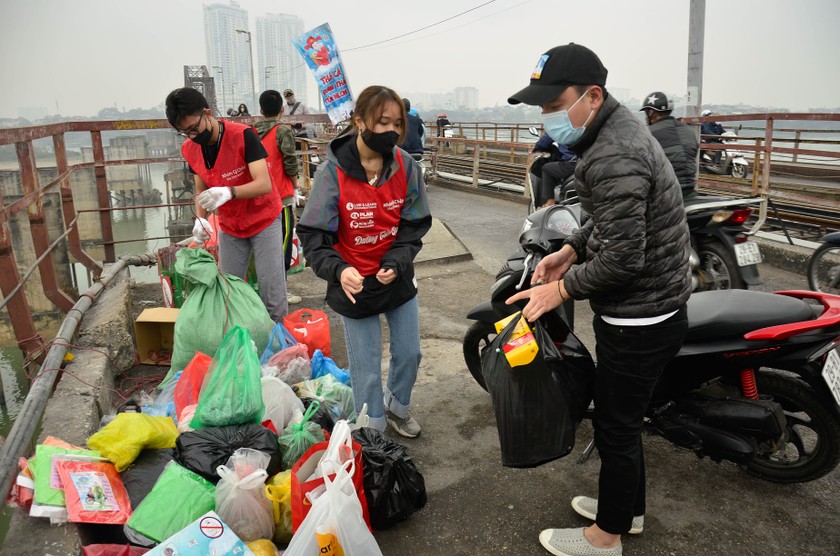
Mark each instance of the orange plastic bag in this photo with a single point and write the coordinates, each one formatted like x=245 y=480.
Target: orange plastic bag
x=189 y=384
x=94 y=491
x=310 y=327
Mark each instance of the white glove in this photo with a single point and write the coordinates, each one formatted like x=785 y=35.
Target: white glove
x=202 y=230
x=214 y=197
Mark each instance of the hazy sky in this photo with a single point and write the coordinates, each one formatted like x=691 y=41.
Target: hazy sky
x=83 y=55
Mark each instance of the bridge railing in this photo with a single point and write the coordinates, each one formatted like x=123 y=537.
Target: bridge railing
x=32 y=201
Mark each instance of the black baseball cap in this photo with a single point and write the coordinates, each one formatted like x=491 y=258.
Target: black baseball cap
x=570 y=64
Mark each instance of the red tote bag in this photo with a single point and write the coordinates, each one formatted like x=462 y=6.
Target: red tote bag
x=305 y=467
x=310 y=327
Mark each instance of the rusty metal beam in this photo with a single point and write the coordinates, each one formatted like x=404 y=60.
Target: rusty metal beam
x=27 y=338
x=103 y=195
x=68 y=208
x=38 y=229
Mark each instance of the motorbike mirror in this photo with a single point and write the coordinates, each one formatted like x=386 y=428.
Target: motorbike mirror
x=534 y=131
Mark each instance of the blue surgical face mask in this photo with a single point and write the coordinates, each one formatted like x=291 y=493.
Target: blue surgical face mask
x=559 y=127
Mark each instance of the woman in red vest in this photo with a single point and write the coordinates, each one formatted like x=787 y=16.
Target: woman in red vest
x=231 y=177
x=361 y=229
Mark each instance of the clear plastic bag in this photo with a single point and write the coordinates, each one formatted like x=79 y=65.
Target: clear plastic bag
x=280 y=402
x=241 y=500
x=336 y=516
x=337 y=398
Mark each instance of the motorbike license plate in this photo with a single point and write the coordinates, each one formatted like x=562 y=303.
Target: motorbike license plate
x=747 y=253
x=831 y=373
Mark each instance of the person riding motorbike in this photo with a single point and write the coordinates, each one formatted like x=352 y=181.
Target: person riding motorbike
x=553 y=170
x=678 y=140
x=712 y=128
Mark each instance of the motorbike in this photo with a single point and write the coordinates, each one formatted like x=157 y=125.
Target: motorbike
x=732 y=161
x=757 y=381
x=722 y=256
x=824 y=266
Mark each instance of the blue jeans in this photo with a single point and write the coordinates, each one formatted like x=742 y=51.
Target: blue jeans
x=364 y=353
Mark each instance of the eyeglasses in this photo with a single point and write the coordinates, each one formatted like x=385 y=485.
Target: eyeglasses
x=192 y=131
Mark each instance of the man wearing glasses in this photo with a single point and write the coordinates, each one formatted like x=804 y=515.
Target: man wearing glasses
x=231 y=177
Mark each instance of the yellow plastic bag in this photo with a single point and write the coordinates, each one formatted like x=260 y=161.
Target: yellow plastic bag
x=279 y=492
x=122 y=440
x=263 y=547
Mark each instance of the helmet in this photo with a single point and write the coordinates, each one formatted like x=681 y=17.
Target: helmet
x=657 y=101
x=705 y=113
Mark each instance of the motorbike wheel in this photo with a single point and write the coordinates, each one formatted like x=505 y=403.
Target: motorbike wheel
x=478 y=337
x=813 y=428
x=739 y=171
x=718 y=265
x=824 y=269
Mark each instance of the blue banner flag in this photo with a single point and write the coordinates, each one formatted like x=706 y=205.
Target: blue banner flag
x=318 y=48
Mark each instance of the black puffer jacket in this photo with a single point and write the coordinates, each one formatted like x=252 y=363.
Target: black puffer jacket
x=679 y=141
x=634 y=250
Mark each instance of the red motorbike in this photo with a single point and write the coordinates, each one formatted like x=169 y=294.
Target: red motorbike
x=757 y=381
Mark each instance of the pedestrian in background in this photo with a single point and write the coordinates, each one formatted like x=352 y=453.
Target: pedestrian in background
x=242 y=111
x=279 y=142
x=361 y=229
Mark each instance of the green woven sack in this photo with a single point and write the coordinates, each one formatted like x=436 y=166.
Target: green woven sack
x=216 y=303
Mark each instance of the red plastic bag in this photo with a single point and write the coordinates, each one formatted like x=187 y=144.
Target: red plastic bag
x=23 y=489
x=94 y=492
x=310 y=327
x=189 y=384
x=113 y=550
x=305 y=467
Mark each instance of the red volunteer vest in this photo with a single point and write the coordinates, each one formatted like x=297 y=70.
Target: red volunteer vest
x=368 y=218
x=238 y=217
x=282 y=182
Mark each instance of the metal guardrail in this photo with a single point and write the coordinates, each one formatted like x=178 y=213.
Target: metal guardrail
x=11 y=279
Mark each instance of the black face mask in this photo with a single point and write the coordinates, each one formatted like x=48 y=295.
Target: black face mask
x=382 y=143
x=203 y=138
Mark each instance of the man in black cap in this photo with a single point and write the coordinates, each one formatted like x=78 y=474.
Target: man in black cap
x=632 y=266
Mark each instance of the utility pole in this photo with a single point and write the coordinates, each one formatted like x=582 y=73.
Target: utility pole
x=221 y=70
x=696 y=35
x=250 y=67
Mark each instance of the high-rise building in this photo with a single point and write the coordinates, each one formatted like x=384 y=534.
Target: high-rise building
x=229 y=55
x=466 y=98
x=278 y=63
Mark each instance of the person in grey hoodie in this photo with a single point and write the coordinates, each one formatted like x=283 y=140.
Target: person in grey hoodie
x=361 y=229
x=633 y=268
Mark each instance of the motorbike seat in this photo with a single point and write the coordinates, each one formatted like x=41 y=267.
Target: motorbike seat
x=733 y=313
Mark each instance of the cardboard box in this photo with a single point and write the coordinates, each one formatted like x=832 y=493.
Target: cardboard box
x=154 y=331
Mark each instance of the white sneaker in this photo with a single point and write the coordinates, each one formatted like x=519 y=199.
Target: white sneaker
x=588 y=508
x=293 y=299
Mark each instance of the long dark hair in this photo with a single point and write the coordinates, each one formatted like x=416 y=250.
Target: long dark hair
x=371 y=104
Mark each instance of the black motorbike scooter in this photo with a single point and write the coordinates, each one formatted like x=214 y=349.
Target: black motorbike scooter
x=757 y=381
x=824 y=265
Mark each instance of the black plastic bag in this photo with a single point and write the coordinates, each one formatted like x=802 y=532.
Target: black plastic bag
x=203 y=450
x=538 y=405
x=394 y=488
x=143 y=473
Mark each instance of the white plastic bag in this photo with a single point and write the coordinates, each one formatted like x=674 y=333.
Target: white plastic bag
x=280 y=402
x=336 y=516
x=339 y=450
x=241 y=501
